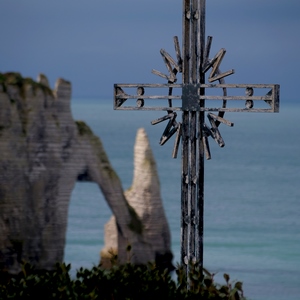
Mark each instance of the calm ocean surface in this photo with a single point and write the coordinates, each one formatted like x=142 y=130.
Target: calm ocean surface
x=252 y=195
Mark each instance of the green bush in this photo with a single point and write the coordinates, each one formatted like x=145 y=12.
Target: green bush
x=123 y=282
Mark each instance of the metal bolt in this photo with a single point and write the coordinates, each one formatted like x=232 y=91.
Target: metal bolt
x=140 y=102
x=196 y=15
x=249 y=92
x=140 y=91
x=185 y=260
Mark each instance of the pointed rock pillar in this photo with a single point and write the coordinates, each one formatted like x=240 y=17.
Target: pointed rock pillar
x=145 y=197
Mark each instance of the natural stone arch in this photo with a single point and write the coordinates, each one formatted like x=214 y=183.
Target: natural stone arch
x=44 y=152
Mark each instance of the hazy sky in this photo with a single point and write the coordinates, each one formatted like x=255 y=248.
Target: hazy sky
x=95 y=44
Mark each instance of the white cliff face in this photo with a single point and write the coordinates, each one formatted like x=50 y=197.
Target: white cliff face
x=144 y=196
x=43 y=153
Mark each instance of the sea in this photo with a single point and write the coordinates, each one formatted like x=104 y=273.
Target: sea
x=252 y=195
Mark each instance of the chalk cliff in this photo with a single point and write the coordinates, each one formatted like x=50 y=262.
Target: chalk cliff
x=43 y=153
x=144 y=196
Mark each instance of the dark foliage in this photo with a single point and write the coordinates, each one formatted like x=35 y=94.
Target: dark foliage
x=16 y=79
x=118 y=283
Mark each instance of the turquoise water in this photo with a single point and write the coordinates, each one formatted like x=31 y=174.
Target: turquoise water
x=252 y=195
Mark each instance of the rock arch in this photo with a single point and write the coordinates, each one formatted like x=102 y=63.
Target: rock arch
x=43 y=152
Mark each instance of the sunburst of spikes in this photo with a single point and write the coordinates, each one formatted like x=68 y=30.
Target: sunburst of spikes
x=174 y=67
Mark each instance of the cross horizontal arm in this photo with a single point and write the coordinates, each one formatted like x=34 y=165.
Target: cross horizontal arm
x=266 y=98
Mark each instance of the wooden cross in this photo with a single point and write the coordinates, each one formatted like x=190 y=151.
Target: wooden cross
x=193 y=95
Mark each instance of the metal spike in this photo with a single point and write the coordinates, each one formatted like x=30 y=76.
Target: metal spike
x=221 y=120
x=215 y=132
x=177 y=141
x=164 y=118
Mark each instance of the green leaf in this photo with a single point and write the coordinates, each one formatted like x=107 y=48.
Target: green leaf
x=226 y=277
x=206 y=272
x=239 y=286
x=232 y=294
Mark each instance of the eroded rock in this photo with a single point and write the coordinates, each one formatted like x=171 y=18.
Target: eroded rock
x=43 y=153
x=144 y=195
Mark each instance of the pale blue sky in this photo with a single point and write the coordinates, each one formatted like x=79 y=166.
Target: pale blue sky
x=95 y=44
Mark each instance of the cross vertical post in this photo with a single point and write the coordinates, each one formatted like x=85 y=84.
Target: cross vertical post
x=192 y=180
